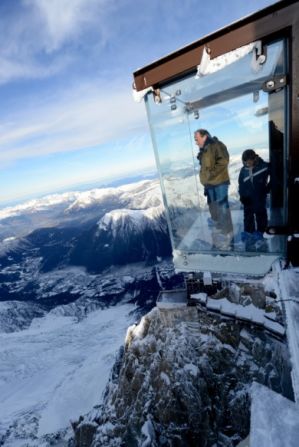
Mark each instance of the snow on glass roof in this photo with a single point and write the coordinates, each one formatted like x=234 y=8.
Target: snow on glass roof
x=208 y=66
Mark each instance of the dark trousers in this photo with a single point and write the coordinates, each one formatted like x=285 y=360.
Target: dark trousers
x=255 y=216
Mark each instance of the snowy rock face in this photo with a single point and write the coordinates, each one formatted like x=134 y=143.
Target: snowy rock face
x=184 y=380
x=16 y=316
x=124 y=236
x=134 y=283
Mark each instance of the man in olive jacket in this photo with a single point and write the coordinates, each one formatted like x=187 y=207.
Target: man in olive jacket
x=213 y=159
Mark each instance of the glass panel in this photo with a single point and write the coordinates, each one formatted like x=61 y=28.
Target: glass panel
x=173 y=150
x=234 y=105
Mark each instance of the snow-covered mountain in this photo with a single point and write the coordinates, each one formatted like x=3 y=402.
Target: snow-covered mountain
x=75 y=208
x=76 y=270
x=95 y=230
x=72 y=208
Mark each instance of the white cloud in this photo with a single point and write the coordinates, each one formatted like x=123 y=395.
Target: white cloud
x=41 y=38
x=64 y=19
x=11 y=69
x=83 y=118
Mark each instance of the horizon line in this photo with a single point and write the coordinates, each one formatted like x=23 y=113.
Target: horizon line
x=81 y=186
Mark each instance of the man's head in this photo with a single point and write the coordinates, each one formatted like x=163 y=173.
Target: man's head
x=200 y=137
x=249 y=158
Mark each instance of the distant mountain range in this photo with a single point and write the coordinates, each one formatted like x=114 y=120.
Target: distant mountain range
x=44 y=241
x=94 y=229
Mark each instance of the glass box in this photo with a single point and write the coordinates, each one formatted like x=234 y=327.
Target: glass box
x=241 y=98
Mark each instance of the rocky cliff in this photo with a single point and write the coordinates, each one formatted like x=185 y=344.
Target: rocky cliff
x=183 y=379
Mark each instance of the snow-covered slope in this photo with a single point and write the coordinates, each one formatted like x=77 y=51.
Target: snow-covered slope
x=54 y=364
x=55 y=370
x=140 y=195
x=126 y=221
x=17 y=315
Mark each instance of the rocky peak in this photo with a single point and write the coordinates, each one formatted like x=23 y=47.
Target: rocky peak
x=183 y=379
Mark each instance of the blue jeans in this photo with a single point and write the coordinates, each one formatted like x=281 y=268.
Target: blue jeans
x=217 y=198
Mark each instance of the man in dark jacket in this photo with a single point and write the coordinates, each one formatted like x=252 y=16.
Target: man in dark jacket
x=253 y=189
x=213 y=159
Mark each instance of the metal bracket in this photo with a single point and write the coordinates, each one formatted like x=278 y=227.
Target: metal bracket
x=157 y=96
x=259 y=56
x=275 y=84
x=204 y=63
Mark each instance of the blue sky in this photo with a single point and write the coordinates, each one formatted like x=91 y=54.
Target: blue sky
x=67 y=115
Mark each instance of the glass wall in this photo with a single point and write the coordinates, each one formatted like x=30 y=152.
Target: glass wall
x=241 y=101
